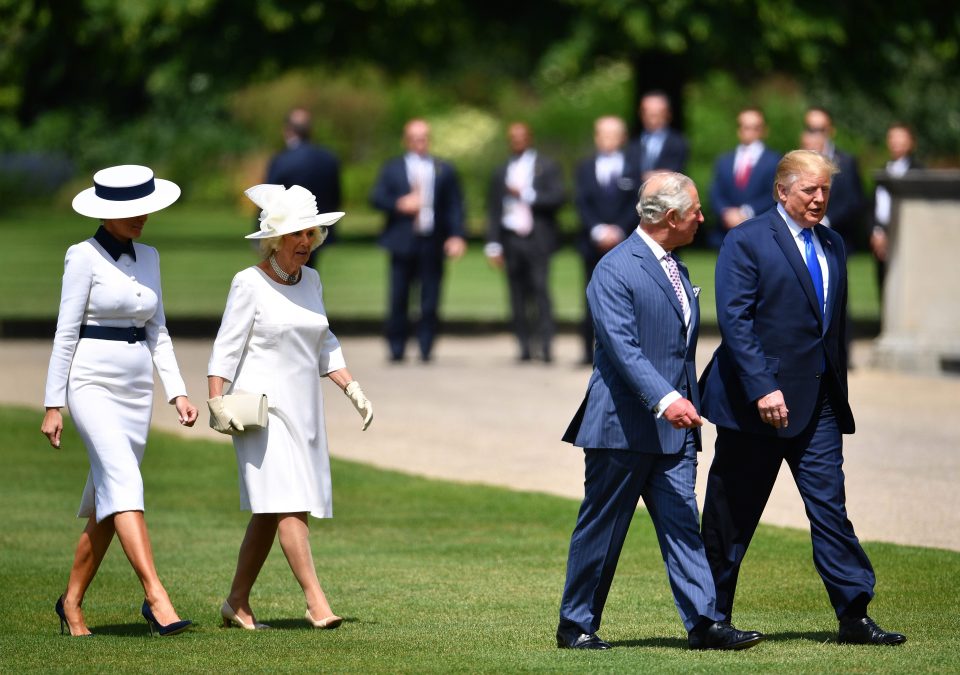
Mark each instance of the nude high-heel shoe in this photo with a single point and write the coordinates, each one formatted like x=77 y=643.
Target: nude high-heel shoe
x=230 y=617
x=331 y=622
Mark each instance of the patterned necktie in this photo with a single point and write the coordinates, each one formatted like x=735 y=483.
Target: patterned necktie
x=673 y=273
x=813 y=265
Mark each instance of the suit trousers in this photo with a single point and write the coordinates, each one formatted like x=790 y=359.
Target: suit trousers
x=615 y=481
x=424 y=266
x=744 y=470
x=528 y=271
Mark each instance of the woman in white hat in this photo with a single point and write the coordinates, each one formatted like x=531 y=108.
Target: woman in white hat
x=111 y=333
x=275 y=340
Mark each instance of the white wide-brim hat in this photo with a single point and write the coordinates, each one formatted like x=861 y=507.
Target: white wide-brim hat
x=125 y=191
x=283 y=210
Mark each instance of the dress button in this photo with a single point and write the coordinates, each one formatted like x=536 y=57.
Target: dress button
x=138 y=294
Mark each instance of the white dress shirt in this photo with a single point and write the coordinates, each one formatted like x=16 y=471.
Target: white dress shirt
x=661 y=255
x=796 y=230
x=421 y=176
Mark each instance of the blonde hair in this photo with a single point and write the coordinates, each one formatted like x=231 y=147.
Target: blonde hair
x=271 y=245
x=798 y=162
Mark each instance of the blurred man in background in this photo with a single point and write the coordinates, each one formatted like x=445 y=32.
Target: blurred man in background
x=659 y=147
x=900 y=145
x=606 y=187
x=308 y=165
x=525 y=194
x=845 y=208
x=421 y=198
x=742 y=177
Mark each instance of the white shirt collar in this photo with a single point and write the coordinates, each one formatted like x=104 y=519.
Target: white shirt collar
x=795 y=229
x=657 y=249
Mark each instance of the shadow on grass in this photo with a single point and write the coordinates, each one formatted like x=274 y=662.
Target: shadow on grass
x=664 y=643
x=820 y=636
x=301 y=624
x=134 y=630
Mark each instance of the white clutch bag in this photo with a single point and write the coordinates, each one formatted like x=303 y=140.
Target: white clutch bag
x=249 y=409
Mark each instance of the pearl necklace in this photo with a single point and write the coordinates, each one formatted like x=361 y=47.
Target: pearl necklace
x=284 y=277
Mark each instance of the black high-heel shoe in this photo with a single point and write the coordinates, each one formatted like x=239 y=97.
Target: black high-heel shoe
x=163 y=631
x=63 y=619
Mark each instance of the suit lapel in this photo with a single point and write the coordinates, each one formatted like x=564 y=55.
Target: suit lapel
x=781 y=233
x=833 y=271
x=651 y=266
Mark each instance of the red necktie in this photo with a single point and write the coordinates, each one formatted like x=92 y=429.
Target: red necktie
x=743 y=175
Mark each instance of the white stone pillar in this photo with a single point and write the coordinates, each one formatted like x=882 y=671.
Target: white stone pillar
x=920 y=329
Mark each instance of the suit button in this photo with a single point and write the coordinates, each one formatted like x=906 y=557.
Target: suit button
x=818 y=375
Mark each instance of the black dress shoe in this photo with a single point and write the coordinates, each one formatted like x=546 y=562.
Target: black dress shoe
x=722 y=635
x=865 y=632
x=582 y=641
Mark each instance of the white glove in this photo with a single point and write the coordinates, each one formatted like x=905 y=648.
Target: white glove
x=221 y=419
x=360 y=402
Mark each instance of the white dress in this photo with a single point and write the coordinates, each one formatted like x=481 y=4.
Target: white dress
x=108 y=384
x=275 y=340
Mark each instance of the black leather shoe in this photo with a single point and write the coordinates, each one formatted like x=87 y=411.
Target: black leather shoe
x=722 y=635
x=865 y=632
x=582 y=641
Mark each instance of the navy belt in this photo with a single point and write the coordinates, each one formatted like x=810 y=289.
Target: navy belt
x=128 y=334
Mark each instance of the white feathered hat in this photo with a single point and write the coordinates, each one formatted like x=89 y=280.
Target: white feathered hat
x=125 y=191
x=287 y=210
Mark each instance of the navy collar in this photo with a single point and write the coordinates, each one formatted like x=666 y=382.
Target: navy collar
x=112 y=245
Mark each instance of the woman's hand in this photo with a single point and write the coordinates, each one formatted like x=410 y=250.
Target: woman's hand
x=52 y=426
x=360 y=402
x=222 y=418
x=186 y=411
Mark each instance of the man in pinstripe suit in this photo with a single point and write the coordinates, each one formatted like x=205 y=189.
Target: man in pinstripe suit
x=639 y=426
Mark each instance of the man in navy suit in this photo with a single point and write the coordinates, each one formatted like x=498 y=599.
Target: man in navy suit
x=421 y=198
x=742 y=177
x=605 y=187
x=659 y=147
x=846 y=204
x=639 y=427
x=307 y=165
x=776 y=389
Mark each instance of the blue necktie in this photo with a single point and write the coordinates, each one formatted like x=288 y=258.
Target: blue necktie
x=813 y=265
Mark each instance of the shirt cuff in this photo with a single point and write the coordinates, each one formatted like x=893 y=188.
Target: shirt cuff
x=665 y=403
x=597 y=232
x=493 y=249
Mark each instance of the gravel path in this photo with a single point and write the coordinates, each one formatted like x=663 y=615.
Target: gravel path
x=475 y=415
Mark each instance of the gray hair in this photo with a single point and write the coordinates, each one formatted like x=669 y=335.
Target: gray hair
x=660 y=193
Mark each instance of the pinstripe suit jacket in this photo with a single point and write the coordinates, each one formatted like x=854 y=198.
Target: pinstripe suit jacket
x=642 y=354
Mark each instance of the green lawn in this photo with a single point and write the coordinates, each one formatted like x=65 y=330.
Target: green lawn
x=201 y=250
x=431 y=577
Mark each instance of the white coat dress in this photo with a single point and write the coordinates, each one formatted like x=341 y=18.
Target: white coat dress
x=275 y=340
x=108 y=384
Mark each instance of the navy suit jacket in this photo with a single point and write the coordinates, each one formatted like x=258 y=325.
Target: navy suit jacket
x=845 y=208
x=314 y=168
x=758 y=193
x=398 y=235
x=596 y=204
x=673 y=154
x=642 y=354
x=550 y=196
x=773 y=334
